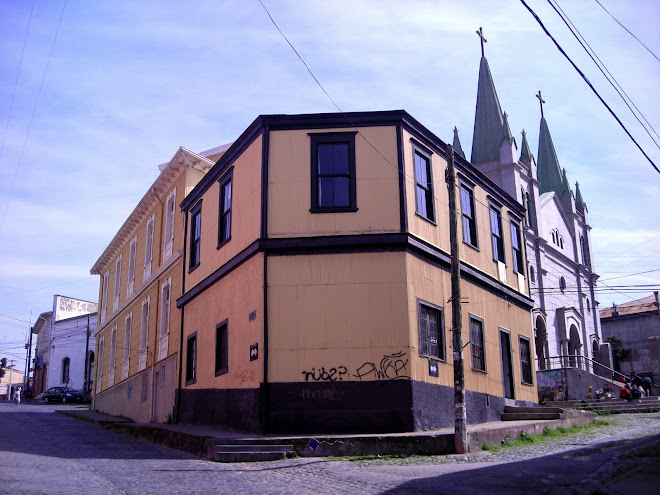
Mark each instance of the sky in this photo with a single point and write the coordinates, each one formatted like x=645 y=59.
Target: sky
x=95 y=94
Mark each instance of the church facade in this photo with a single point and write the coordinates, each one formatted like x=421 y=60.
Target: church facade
x=557 y=235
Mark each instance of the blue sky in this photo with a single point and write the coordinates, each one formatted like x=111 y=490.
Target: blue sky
x=129 y=82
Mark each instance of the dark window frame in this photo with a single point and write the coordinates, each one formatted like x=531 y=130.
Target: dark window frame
x=191 y=359
x=497 y=239
x=517 y=252
x=422 y=187
x=477 y=350
x=222 y=347
x=66 y=370
x=224 y=231
x=424 y=340
x=526 y=374
x=195 y=242
x=334 y=138
x=469 y=219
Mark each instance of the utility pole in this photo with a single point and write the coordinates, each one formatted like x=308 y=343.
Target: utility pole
x=460 y=425
x=26 y=381
x=86 y=373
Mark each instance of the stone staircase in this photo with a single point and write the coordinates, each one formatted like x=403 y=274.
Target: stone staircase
x=613 y=406
x=249 y=450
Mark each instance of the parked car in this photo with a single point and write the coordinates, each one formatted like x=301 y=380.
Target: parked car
x=62 y=394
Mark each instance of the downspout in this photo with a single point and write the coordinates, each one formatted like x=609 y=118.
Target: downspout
x=265 y=147
x=177 y=401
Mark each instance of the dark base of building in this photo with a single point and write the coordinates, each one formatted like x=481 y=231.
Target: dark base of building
x=337 y=407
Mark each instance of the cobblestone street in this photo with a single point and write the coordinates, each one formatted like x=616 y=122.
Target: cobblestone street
x=44 y=452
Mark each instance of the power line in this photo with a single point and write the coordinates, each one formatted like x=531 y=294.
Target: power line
x=34 y=110
x=631 y=275
x=536 y=17
x=628 y=31
x=604 y=69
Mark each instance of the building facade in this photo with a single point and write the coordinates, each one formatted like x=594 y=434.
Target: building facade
x=635 y=328
x=316 y=289
x=138 y=329
x=557 y=231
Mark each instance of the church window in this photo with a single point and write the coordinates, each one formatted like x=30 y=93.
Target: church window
x=496 y=234
x=562 y=284
x=532 y=274
x=561 y=242
x=588 y=305
x=469 y=216
x=66 y=365
x=423 y=185
x=584 y=247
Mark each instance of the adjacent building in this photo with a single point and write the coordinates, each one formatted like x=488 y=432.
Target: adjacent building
x=64 y=351
x=558 y=244
x=634 y=330
x=316 y=291
x=139 y=327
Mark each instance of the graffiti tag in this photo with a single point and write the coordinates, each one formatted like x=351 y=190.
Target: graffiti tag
x=331 y=375
x=244 y=376
x=391 y=367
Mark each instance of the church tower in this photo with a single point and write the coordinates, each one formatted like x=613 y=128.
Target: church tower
x=557 y=234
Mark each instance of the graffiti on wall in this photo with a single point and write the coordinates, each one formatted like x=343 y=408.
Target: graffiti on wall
x=244 y=376
x=390 y=367
x=551 y=385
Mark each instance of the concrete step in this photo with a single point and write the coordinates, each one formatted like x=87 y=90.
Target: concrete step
x=250 y=451
x=528 y=416
x=533 y=409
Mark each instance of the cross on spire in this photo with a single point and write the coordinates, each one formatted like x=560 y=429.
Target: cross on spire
x=480 y=33
x=541 y=102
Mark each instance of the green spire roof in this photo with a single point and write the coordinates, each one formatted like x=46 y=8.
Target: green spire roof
x=548 y=172
x=488 y=119
x=506 y=129
x=579 y=201
x=525 y=152
x=457 y=144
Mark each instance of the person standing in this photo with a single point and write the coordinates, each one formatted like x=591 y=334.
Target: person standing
x=17 y=395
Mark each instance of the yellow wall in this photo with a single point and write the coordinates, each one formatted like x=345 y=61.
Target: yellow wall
x=334 y=311
x=246 y=215
x=233 y=298
x=289 y=185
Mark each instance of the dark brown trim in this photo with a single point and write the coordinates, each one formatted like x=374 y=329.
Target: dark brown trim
x=343 y=138
x=227 y=177
x=403 y=205
x=177 y=404
x=265 y=152
x=225 y=348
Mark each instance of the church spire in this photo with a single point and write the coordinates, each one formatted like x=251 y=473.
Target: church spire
x=548 y=171
x=525 y=153
x=506 y=130
x=579 y=201
x=488 y=119
x=457 y=144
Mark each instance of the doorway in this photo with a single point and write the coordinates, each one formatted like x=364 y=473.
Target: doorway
x=507 y=365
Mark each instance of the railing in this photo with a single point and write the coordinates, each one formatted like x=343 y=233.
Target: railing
x=579 y=362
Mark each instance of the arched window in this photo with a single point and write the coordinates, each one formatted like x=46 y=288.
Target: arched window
x=588 y=305
x=561 y=242
x=562 y=284
x=66 y=364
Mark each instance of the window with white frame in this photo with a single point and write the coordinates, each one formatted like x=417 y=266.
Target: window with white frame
x=115 y=299
x=169 y=224
x=104 y=296
x=99 y=365
x=131 y=267
x=516 y=247
x=113 y=355
x=128 y=323
x=165 y=295
x=496 y=234
x=149 y=247
x=144 y=333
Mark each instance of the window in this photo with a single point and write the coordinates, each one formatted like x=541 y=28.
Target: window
x=149 y=247
x=221 y=349
x=529 y=213
x=195 y=236
x=496 y=234
x=333 y=172
x=66 y=365
x=144 y=332
x=165 y=296
x=191 y=359
x=431 y=342
x=584 y=247
x=588 y=305
x=477 y=343
x=128 y=323
x=469 y=217
x=224 y=229
x=526 y=361
x=131 y=267
x=115 y=299
x=113 y=355
x=423 y=185
x=532 y=274
x=104 y=296
x=169 y=224
x=99 y=366
x=516 y=246
x=562 y=284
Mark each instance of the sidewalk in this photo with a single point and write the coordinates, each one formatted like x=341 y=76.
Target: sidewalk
x=201 y=440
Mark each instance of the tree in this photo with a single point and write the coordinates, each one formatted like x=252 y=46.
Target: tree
x=3 y=365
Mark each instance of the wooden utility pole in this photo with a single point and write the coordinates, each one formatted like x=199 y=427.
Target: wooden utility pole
x=460 y=425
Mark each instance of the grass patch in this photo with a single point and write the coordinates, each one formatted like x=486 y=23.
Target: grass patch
x=528 y=439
